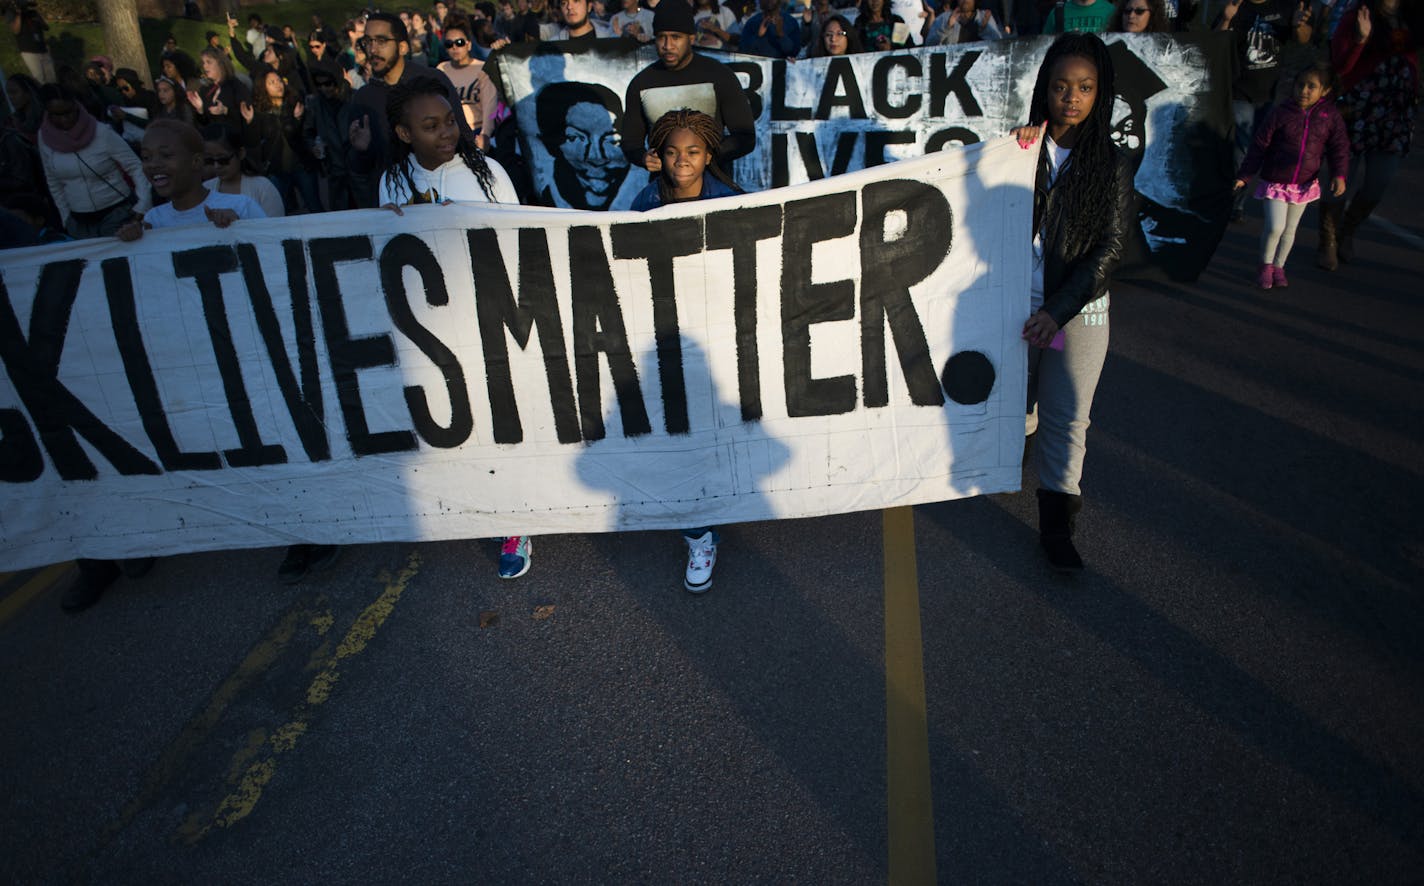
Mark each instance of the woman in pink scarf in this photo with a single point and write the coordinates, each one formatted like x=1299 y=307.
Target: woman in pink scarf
x=96 y=179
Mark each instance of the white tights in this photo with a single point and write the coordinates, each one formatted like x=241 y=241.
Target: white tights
x=1278 y=236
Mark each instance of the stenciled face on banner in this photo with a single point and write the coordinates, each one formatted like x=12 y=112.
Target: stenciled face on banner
x=569 y=109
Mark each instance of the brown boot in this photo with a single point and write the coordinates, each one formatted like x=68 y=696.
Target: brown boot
x=1325 y=255
x=1354 y=216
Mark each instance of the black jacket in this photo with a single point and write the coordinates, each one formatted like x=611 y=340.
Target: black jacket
x=1070 y=281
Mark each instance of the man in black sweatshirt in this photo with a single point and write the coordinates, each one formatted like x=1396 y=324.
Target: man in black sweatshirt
x=681 y=79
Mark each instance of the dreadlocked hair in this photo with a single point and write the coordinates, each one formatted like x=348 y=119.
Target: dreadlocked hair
x=1087 y=184
x=700 y=125
x=402 y=161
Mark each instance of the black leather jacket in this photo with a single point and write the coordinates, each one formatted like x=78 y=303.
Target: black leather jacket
x=1071 y=281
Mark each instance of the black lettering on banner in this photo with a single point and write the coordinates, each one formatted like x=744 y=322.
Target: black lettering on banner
x=33 y=366
x=877 y=142
x=942 y=84
x=953 y=135
x=810 y=156
x=598 y=326
x=347 y=354
x=780 y=165
x=888 y=268
x=205 y=265
x=304 y=401
x=20 y=458
x=880 y=86
x=841 y=90
x=407 y=251
x=804 y=304
x=537 y=308
x=660 y=242
x=123 y=313
x=739 y=230
x=779 y=110
x=754 y=80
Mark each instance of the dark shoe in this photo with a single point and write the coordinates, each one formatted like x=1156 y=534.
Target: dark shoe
x=302 y=560
x=1326 y=255
x=95 y=577
x=138 y=567
x=295 y=565
x=1055 y=528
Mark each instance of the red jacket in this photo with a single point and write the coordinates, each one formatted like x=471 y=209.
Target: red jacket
x=1291 y=144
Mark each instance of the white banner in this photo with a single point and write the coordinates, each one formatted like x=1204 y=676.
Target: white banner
x=475 y=371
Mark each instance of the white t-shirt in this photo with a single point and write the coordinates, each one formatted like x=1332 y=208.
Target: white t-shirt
x=643 y=18
x=166 y=216
x=1057 y=159
x=262 y=192
x=452 y=181
x=723 y=18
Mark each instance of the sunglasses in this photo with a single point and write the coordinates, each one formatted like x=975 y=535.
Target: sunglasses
x=458 y=41
x=223 y=160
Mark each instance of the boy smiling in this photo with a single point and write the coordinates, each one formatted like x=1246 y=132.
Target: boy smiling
x=173 y=162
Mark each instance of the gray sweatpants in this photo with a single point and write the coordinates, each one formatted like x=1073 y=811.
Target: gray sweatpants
x=1060 y=396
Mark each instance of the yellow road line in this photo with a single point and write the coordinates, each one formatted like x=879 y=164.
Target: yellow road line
x=240 y=802
x=42 y=581
x=909 y=805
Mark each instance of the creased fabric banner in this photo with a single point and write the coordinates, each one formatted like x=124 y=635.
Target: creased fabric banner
x=475 y=371
x=822 y=117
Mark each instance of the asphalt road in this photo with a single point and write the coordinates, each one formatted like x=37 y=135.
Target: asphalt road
x=1233 y=692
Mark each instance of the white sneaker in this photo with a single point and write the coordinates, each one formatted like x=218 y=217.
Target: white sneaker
x=701 y=557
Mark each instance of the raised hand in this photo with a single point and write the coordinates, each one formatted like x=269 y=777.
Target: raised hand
x=1229 y=12
x=218 y=109
x=1363 y=25
x=196 y=101
x=360 y=133
x=247 y=111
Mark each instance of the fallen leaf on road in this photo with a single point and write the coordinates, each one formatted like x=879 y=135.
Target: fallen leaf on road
x=542 y=612
x=488 y=617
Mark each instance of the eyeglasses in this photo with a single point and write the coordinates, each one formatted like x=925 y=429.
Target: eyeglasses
x=458 y=41
x=224 y=160
x=1136 y=10
x=378 y=40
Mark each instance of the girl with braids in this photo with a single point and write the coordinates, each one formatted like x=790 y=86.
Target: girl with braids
x=1081 y=203
x=686 y=142
x=430 y=160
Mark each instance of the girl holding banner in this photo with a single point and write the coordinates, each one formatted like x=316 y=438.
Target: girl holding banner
x=1082 y=200
x=432 y=161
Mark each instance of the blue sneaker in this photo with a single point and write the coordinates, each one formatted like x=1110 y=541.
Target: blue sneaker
x=515 y=555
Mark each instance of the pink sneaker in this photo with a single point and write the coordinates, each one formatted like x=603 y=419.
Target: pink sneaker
x=1266 y=277
x=1278 y=277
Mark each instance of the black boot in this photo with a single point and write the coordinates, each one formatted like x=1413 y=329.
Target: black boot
x=1359 y=211
x=95 y=577
x=1056 y=511
x=1326 y=255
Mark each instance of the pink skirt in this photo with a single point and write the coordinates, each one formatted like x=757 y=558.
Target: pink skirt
x=1288 y=193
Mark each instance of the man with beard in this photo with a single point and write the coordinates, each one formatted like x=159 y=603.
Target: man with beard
x=681 y=79
x=386 y=44
x=578 y=124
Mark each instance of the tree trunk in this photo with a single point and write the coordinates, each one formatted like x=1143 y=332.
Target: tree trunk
x=120 y=21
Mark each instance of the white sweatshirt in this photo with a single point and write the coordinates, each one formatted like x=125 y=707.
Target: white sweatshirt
x=451 y=181
x=93 y=178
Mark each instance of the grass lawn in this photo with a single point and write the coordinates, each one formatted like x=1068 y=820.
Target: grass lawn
x=72 y=43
